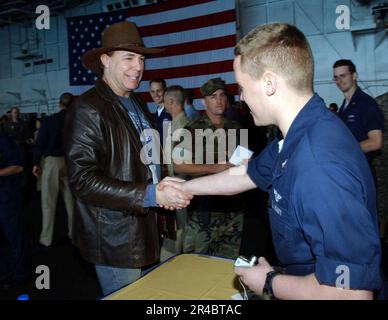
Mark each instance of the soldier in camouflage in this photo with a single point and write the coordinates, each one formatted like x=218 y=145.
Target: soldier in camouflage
x=215 y=223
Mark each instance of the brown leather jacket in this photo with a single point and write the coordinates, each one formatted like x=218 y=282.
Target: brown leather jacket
x=108 y=181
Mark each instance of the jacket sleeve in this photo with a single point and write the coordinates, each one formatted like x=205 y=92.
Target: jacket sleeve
x=84 y=149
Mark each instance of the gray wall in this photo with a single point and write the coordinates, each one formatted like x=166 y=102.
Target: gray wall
x=52 y=78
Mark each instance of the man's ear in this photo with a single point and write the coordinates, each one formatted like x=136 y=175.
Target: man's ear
x=105 y=60
x=269 y=82
x=354 y=76
x=203 y=102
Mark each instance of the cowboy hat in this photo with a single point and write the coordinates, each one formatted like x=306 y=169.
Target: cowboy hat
x=118 y=36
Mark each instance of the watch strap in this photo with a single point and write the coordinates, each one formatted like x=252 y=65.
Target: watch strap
x=267 y=290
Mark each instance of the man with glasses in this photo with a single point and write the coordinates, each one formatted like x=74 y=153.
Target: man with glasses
x=359 y=111
x=361 y=114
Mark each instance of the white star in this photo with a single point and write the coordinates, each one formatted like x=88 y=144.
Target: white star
x=75 y=78
x=77 y=44
x=110 y=18
x=81 y=22
x=89 y=71
x=71 y=23
x=101 y=19
x=73 y=37
x=91 y=21
x=92 y=35
x=79 y=71
x=82 y=36
x=76 y=29
x=95 y=78
x=88 y=43
x=75 y=65
x=74 y=50
x=96 y=27
x=84 y=79
x=86 y=29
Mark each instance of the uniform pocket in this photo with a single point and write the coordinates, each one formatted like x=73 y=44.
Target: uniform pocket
x=283 y=236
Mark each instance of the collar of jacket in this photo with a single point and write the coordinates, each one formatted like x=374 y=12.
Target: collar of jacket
x=107 y=93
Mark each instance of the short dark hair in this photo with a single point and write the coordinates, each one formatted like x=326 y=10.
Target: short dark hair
x=159 y=80
x=177 y=93
x=66 y=99
x=101 y=71
x=15 y=108
x=345 y=62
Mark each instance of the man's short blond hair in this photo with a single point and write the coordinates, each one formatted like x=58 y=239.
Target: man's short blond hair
x=280 y=48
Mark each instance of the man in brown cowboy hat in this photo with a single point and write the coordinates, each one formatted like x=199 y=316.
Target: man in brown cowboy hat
x=113 y=163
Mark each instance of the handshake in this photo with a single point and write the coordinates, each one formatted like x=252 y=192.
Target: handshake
x=170 y=194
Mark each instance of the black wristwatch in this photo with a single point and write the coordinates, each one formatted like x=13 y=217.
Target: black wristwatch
x=267 y=290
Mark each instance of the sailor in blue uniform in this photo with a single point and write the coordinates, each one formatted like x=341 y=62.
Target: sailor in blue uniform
x=323 y=201
x=19 y=268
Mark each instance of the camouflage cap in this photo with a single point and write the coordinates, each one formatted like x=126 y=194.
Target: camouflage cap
x=212 y=85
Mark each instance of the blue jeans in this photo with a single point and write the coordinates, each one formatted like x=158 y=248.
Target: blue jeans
x=114 y=278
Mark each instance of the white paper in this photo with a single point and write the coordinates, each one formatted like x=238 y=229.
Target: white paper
x=238 y=296
x=239 y=155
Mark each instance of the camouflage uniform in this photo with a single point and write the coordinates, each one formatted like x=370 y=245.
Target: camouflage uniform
x=215 y=223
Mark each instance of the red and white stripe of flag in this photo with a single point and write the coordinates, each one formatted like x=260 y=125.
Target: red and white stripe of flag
x=199 y=37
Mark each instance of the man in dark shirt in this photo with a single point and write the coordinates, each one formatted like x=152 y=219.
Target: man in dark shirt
x=157 y=88
x=359 y=111
x=323 y=203
x=16 y=128
x=49 y=151
x=10 y=215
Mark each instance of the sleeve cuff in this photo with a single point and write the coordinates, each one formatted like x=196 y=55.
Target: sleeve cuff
x=150 y=196
x=255 y=176
x=347 y=275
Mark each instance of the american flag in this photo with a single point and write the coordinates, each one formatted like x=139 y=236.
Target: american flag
x=199 y=37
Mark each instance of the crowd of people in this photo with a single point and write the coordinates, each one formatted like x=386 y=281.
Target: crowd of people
x=136 y=196
x=33 y=161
